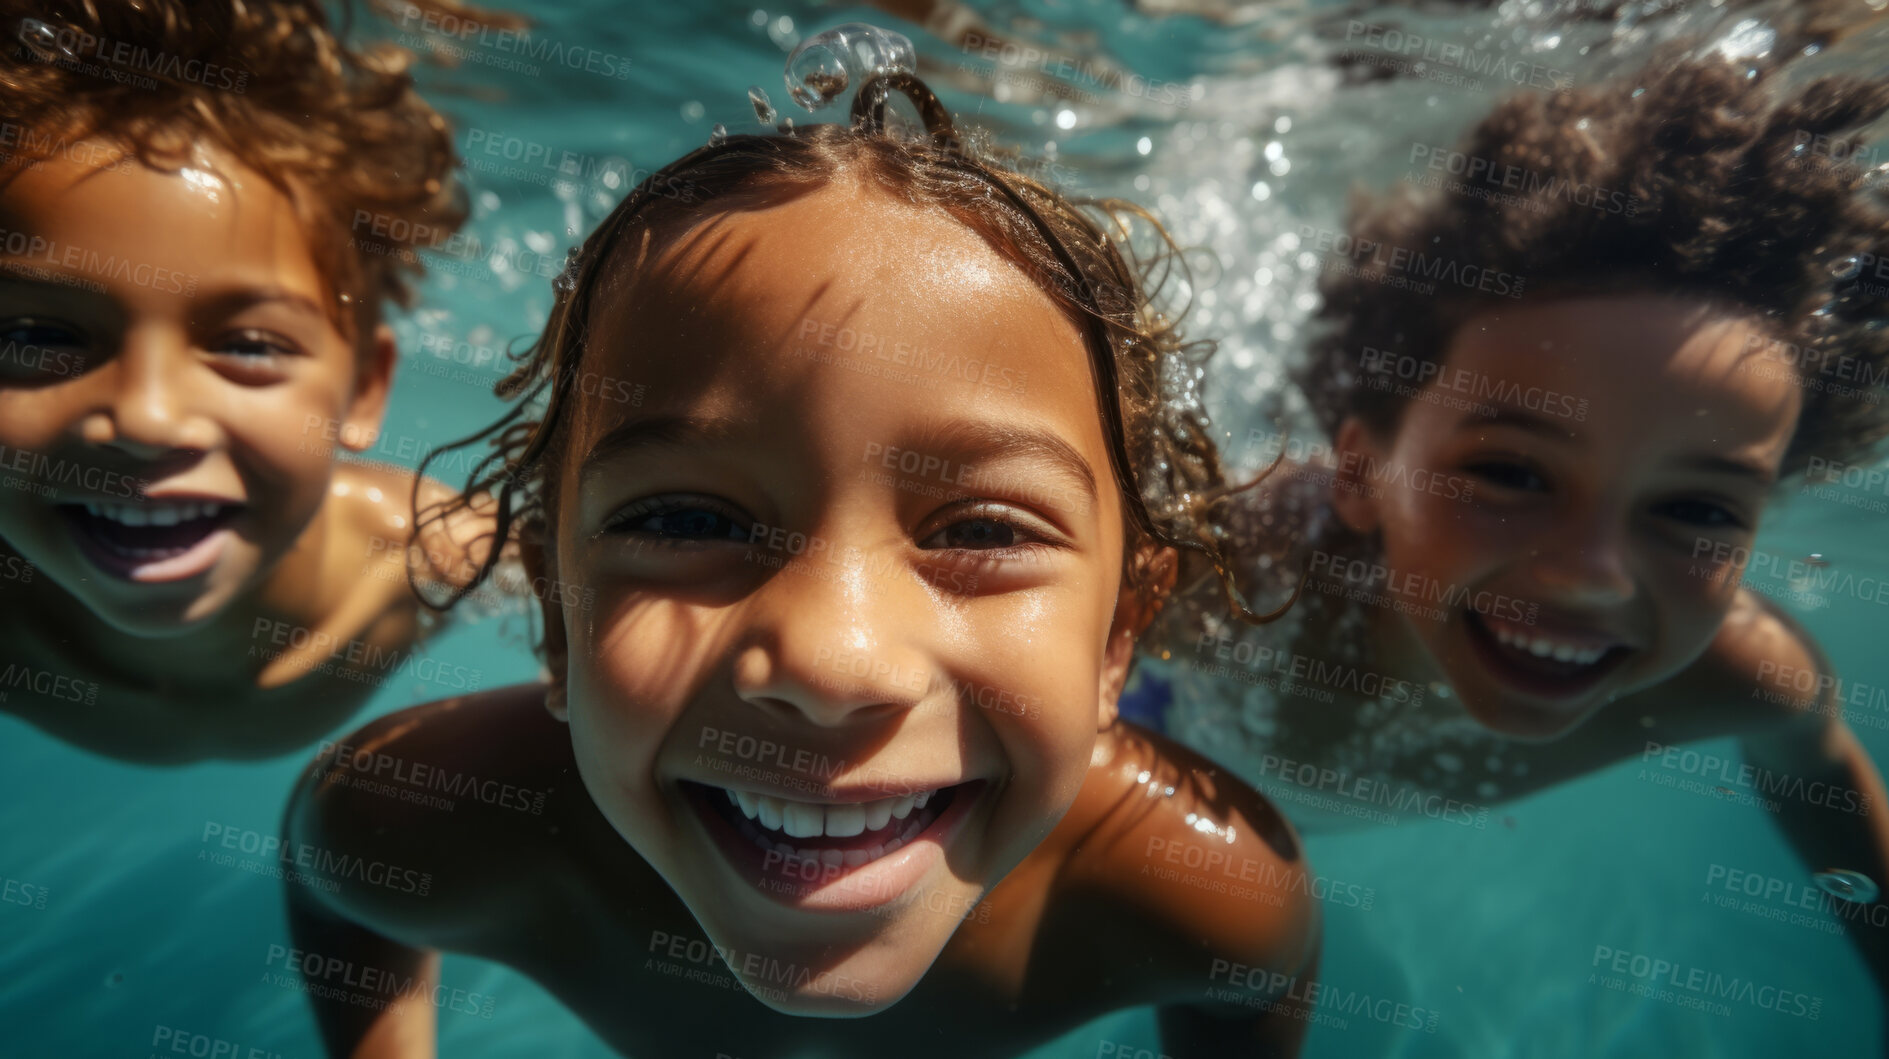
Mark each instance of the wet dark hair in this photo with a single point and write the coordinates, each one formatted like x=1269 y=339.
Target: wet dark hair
x=1078 y=251
x=340 y=130
x=1707 y=179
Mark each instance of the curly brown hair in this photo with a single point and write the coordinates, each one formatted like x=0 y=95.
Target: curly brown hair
x=341 y=131
x=1705 y=178
x=1079 y=251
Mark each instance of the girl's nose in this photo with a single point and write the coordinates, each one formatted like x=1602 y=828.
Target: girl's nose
x=1587 y=563
x=836 y=640
x=149 y=410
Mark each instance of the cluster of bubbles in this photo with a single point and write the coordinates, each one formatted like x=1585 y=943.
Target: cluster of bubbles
x=826 y=65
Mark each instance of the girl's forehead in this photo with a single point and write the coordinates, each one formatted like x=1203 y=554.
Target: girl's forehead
x=821 y=333
x=840 y=278
x=1618 y=366
x=844 y=236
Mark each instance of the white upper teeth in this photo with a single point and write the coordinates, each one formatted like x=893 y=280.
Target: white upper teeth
x=808 y=820
x=153 y=514
x=1543 y=647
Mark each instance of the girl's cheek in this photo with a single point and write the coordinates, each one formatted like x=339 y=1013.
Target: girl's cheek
x=1695 y=604
x=1688 y=585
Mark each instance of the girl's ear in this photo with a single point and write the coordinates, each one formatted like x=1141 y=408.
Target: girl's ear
x=1133 y=611
x=1352 y=494
x=532 y=551
x=360 y=426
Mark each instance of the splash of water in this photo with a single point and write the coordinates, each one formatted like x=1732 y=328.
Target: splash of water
x=826 y=64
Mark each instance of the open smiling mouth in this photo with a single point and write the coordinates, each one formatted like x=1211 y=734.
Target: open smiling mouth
x=152 y=540
x=835 y=854
x=1540 y=663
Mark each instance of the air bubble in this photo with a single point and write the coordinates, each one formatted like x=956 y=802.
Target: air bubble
x=606 y=185
x=763 y=108
x=43 y=39
x=1847 y=267
x=718 y=135
x=1847 y=885
x=826 y=64
x=566 y=280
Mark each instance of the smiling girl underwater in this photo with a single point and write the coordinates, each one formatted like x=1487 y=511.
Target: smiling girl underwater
x=887 y=490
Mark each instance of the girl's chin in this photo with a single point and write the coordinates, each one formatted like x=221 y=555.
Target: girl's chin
x=1526 y=722
x=159 y=622
x=836 y=993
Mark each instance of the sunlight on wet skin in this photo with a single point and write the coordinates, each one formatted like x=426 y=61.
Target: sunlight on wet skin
x=1433 y=710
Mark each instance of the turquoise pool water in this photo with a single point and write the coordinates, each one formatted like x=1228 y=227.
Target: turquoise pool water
x=142 y=937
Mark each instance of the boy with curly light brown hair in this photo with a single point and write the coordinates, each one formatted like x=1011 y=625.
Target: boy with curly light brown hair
x=203 y=207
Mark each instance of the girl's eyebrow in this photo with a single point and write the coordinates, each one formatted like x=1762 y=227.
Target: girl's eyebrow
x=1519 y=419
x=989 y=440
x=652 y=431
x=1721 y=463
x=1706 y=462
x=980 y=438
x=229 y=301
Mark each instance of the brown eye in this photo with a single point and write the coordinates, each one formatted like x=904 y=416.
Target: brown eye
x=48 y=334
x=34 y=349
x=255 y=345
x=975 y=534
x=678 y=518
x=987 y=528
x=1508 y=475
x=1702 y=513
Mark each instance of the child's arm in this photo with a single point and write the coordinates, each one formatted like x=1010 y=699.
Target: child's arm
x=1206 y=885
x=1831 y=803
x=1188 y=1031
x=389 y=879
x=324 y=923
x=406 y=1027
x=1824 y=753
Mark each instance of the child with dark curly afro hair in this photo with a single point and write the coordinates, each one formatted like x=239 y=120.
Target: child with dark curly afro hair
x=1562 y=380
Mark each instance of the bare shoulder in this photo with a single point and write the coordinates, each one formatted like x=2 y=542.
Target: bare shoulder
x=387 y=511
x=1199 y=869
x=375 y=500
x=427 y=819
x=1762 y=671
